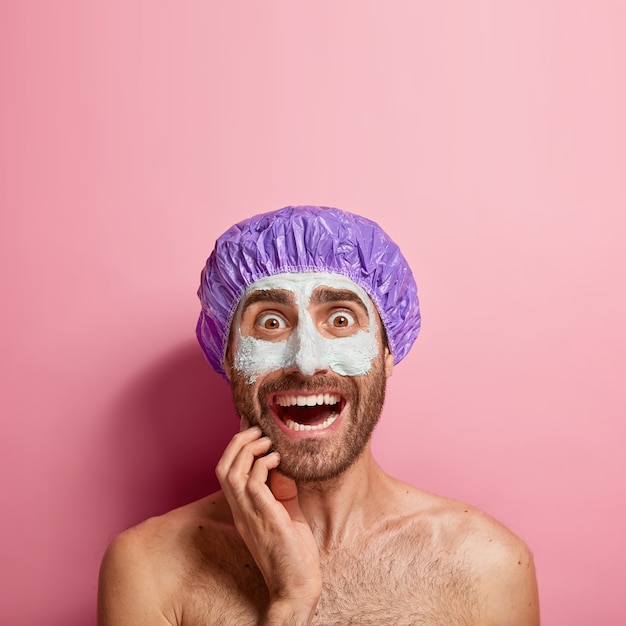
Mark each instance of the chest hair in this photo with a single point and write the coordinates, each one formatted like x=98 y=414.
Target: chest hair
x=398 y=578
x=401 y=582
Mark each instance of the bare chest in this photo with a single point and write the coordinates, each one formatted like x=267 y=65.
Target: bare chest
x=395 y=583
x=383 y=582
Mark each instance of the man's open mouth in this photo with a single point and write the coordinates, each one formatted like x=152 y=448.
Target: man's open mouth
x=308 y=412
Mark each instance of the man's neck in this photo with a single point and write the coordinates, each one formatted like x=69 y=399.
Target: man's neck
x=346 y=505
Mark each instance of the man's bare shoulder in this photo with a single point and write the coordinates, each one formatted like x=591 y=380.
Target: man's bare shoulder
x=166 y=537
x=501 y=563
x=147 y=568
x=505 y=568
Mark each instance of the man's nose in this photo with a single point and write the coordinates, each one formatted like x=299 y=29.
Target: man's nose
x=308 y=350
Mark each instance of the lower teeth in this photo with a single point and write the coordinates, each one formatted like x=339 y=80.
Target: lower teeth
x=325 y=424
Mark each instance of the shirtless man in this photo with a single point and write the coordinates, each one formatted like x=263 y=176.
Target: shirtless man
x=305 y=311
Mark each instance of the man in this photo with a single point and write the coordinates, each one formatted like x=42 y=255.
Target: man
x=305 y=311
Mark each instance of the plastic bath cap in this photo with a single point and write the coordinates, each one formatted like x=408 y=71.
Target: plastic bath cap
x=304 y=239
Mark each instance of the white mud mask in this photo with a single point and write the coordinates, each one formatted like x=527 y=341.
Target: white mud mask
x=306 y=348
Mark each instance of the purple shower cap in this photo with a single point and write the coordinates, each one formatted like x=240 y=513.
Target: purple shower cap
x=305 y=239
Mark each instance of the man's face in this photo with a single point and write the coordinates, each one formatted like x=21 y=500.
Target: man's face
x=307 y=364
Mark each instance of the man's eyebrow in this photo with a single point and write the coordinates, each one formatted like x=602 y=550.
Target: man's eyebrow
x=277 y=296
x=323 y=295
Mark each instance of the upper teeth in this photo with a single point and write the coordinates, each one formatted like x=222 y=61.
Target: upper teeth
x=312 y=400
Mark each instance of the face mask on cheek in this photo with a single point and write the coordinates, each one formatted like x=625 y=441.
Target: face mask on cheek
x=306 y=349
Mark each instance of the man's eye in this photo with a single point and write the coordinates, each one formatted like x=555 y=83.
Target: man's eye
x=271 y=321
x=341 y=319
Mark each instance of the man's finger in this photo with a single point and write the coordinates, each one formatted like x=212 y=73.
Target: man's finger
x=256 y=487
x=233 y=449
x=240 y=468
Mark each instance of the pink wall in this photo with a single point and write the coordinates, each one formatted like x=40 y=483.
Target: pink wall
x=487 y=137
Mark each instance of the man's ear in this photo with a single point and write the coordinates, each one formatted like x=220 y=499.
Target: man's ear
x=388 y=363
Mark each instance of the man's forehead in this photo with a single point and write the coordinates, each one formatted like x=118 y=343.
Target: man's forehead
x=299 y=285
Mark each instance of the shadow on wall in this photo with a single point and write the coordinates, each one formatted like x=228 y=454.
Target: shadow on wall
x=169 y=428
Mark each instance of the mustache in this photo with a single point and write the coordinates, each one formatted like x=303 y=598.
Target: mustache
x=309 y=384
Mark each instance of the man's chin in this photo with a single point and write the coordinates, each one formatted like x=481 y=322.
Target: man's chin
x=314 y=459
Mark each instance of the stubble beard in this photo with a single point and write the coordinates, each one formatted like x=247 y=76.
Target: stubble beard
x=313 y=459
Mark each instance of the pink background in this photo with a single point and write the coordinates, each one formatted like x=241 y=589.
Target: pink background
x=487 y=137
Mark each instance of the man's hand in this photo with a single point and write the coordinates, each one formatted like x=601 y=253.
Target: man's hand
x=273 y=526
